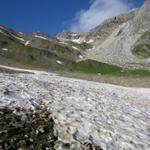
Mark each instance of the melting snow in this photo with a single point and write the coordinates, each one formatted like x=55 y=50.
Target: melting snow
x=41 y=37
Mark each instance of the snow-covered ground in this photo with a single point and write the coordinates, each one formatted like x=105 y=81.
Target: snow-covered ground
x=113 y=117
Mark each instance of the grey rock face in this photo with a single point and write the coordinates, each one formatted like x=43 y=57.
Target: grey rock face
x=108 y=116
x=104 y=30
x=116 y=44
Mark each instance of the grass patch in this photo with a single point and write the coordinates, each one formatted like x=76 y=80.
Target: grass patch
x=146 y=35
x=142 y=47
x=136 y=72
x=32 y=57
x=63 y=51
x=91 y=66
x=82 y=46
x=94 y=67
x=142 y=50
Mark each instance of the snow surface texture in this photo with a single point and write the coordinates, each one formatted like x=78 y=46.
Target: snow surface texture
x=113 y=117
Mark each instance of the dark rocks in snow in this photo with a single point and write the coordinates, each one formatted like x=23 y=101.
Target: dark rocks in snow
x=35 y=132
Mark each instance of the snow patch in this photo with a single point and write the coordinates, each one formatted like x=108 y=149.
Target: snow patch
x=74 y=47
x=76 y=40
x=74 y=34
x=90 y=41
x=4 y=49
x=19 y=38
x=80 y=56
x=2 y=32
x=41 y=37
x=59 y=62
x=27 y=43
x=20 y=32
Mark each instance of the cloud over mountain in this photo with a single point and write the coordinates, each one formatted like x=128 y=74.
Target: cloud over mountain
x=98 y=11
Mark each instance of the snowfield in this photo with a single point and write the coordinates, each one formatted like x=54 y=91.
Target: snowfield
x=113 y=117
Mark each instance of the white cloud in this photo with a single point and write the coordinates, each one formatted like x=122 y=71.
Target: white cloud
x=97 y=13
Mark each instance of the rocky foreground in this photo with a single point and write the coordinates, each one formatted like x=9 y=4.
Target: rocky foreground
x=45 y=111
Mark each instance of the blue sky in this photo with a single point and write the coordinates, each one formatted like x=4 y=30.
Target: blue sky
x=53 y=16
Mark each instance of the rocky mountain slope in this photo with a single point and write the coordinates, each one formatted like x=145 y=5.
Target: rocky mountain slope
x=104 y=116
x=123 y=41
x=38 y=50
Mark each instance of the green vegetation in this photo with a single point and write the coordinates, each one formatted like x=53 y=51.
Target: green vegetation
x=85 y=46
x=91 y=66
x=61 y=50
x=142 y=50
x=82 y=46
x=94 y=67
x=146 y=35
x=46 y=59
x=120 y=31
x=31 y=57
x=136 y=72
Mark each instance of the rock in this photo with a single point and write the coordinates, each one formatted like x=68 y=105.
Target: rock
x=41 y=130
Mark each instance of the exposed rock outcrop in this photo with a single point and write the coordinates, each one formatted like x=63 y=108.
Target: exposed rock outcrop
x=121 y=38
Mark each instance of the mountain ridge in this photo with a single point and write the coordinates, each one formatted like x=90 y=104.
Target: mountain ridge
x=117 y=41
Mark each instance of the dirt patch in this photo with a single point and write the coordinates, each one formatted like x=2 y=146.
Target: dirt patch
x=131 y=81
